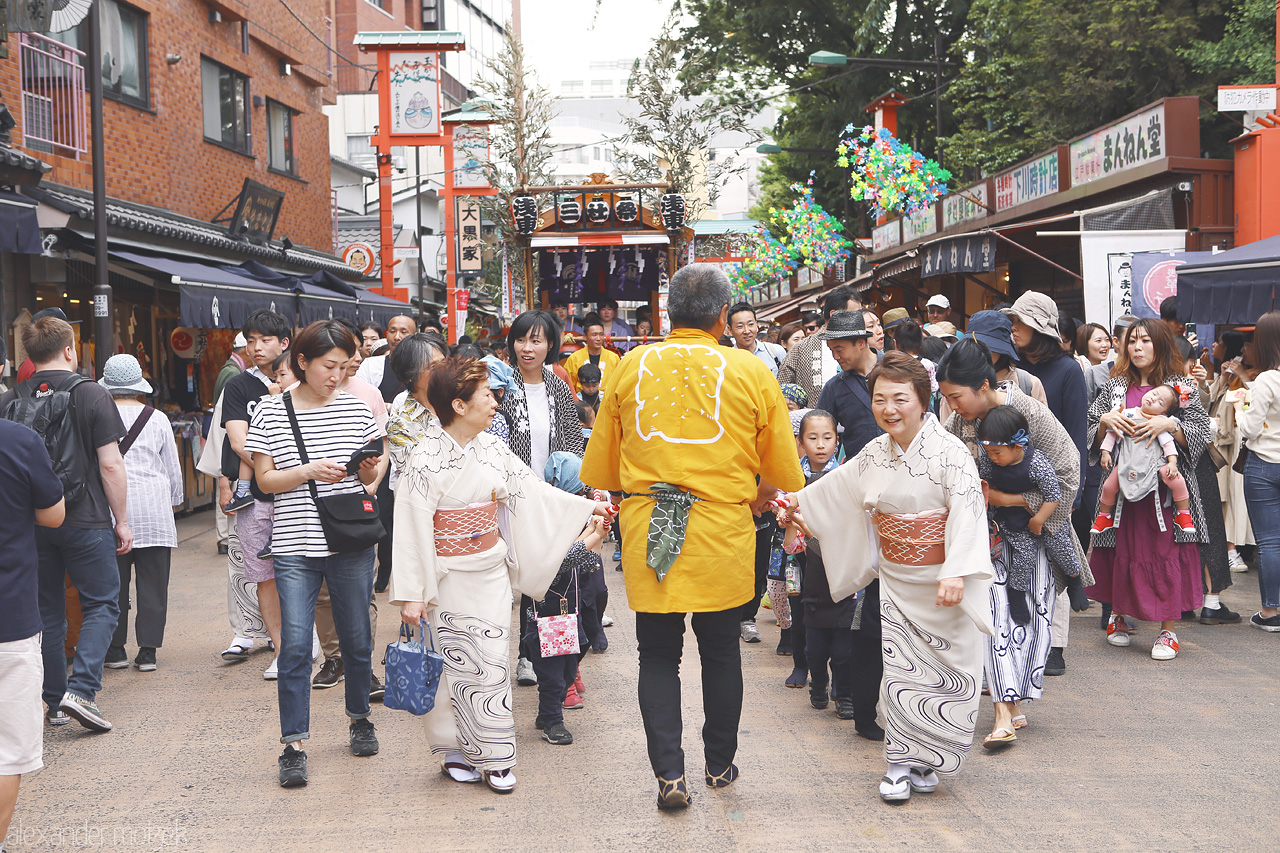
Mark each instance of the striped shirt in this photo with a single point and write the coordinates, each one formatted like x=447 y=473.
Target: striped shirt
x=334 y=431
x=155 y=480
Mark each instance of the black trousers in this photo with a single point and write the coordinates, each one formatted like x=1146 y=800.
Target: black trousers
x=764 y=543
x=151 y=566
x=857 y=664
x=386 y=514
x=660 y=638
x=799 y=636
x=594 y=599
x=554 y=677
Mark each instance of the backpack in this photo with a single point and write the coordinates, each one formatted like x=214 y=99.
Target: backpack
x=52 y=414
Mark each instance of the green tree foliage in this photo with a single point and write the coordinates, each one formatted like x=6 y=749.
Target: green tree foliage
x=1246 y=51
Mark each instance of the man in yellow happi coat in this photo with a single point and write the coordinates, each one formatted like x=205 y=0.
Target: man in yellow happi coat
x=685 y=427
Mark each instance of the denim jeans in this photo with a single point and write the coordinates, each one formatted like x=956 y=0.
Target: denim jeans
x=350 y=581
x=88 y=556
x=1262 y=495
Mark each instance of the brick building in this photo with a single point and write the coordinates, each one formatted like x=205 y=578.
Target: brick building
x=200 y=96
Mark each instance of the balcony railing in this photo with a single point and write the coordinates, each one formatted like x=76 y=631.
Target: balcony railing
x=53 y=96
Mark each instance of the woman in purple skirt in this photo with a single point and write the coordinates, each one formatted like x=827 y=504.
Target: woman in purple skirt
x=1144 y=565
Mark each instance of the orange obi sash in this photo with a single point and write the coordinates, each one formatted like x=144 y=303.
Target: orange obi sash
x=466 y=530
x=913 y=539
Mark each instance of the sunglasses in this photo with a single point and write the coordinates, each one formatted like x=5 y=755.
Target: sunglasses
x=812 y=328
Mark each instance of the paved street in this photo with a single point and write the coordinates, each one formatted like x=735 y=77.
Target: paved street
x=1123 y=754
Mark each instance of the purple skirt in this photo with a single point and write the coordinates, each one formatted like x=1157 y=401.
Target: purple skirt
x=1147 y=575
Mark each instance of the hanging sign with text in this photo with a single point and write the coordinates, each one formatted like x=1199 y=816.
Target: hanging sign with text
x=1124 y=145
x=1028 y=182
x=970 y=253
x=470 y=243
x=415 y=93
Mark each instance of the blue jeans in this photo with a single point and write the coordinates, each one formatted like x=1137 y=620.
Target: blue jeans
x=1262 y=495
x=89 y=558
x=350 y=581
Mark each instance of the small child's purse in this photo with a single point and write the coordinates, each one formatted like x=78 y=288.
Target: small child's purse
x=558 y=635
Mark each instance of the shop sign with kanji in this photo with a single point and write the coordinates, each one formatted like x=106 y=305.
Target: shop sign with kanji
x=1124 y=145
x=470 y=242
x=970 y=253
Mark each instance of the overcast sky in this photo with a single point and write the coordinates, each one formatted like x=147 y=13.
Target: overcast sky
x=560 y=39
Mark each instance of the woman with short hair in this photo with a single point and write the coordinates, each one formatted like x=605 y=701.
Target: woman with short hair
x=473 y=523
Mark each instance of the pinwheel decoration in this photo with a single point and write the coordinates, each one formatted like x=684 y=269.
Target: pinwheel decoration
x=889 y=174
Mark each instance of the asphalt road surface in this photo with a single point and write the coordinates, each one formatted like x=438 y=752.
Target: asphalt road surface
x=1123 y=753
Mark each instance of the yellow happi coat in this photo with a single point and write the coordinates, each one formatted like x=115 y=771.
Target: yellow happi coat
x=708 y=419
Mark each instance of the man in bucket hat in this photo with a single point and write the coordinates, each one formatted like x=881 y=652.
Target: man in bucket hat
x=846 y=395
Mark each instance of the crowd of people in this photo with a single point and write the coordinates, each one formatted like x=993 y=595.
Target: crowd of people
x=921 y=502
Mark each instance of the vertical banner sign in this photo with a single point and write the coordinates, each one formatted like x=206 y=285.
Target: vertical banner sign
x=462 y=301
x=470 y=154
x=506 y=284
x=415 y=93
x=470 y=257
x=1120 y=274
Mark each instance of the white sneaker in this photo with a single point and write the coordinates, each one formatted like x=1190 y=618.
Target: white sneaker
x=1118 y=632
x=1235 y=562
x=606 y=621
x=1166 y=647
x=525 y=676
x=270 y=674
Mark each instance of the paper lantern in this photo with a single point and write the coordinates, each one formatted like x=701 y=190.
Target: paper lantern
x=671 y=208
x=524 y=212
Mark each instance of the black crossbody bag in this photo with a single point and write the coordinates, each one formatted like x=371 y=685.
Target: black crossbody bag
x=350 y=521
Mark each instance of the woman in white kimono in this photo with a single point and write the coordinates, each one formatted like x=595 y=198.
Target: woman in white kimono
x=924 y=535
x=473 y=523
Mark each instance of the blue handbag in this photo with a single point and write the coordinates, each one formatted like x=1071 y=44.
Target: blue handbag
x=413 y=671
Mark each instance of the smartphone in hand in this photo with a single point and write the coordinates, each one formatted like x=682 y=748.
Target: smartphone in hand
x=369 y=451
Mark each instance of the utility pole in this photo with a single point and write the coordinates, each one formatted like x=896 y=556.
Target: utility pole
x=103 y=332
x=937 y=96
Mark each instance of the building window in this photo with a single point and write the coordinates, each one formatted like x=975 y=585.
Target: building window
x=360 y=151
x=279 y=137
x=124 y=51
x=225 y=96
x=601 y=88
x=571 y=87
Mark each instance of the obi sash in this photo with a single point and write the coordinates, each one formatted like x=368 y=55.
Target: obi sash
x=466 y=530
x=913 y=539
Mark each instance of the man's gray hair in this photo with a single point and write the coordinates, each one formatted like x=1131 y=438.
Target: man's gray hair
x=698 y=292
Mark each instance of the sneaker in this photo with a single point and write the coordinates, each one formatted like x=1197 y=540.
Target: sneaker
x=364 y=742
x=1056 y=664
x=316 y=651
x=266 y=553
x=557 y=735
x=578 y=685
x=573 y=701
x=293 y=767
x=1102 y=523
x=870 y=731
x=924 y=780
x=1184 y=522
x=146 y=660
x=1166 y=647
x=331 y=672
x=818 y=698
x=270 y=674
x=237 y=503
x=1270 y=624
x=85 y=712
x=56 y=717
x=617 y=553
x=525 y=676
x=750 y=633
x=606 y=621
x=1118 y=632
x=1219 y=615
x=376 y=690
x=844 y=709
x=1235 y=562
x=117 y=658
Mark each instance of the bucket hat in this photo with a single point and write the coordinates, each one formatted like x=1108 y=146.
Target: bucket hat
x=123 y=375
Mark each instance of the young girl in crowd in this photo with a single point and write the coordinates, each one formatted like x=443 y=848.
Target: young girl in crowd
x=1138 y=463
x=1009 y=463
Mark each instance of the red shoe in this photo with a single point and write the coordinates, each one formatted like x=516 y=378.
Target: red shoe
x=572 y=701
x=1184 y=521
x=578 y=685
x=1102 y=523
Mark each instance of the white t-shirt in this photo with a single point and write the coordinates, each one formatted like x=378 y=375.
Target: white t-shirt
x=334 y=431
x=829 y=366
x=539 y=427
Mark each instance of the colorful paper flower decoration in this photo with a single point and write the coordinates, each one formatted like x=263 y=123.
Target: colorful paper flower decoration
x=889 y=174
x=813 y=236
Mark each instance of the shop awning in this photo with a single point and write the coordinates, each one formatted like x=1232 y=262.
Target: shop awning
x=1236 y=286
x=379 y=308
x=19 y=225
x=598 y=241
x=772 y=311
x=213 y=296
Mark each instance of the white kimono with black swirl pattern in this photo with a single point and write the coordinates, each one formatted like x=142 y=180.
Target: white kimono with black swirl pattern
x=468 y=597
x=932 y=655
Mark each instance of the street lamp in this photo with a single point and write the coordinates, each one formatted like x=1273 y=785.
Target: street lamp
x=770 y=148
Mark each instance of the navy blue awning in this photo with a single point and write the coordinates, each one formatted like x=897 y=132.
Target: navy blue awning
x=1236 y=286
x=380 y=309
x=213 y=296
x=19 y=225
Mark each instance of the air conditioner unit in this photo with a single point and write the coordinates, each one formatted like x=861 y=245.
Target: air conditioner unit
x=430 y=15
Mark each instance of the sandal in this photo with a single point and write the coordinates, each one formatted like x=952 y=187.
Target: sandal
x=237 y=653
x=673 y=793
x=895 y=790
x=472 y=774
x=997 y=740
x=504 y=784
x=1019 y=722
x=721 y=780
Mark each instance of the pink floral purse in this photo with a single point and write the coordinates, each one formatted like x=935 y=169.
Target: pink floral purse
x=558 y=635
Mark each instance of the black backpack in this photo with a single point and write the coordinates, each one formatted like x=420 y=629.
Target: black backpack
x=50 y=412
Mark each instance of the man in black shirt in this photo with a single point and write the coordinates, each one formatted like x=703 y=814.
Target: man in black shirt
x=845 y=396
x=267 y=334
x=85 y=546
